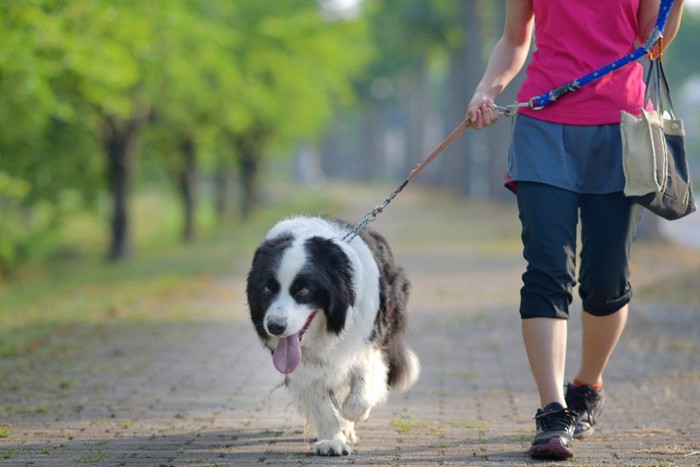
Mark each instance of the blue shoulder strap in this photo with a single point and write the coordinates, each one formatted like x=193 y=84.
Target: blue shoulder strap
x=551 y=96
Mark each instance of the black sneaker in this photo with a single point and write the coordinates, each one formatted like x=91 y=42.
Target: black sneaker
x=555 y=430
x=588 y=405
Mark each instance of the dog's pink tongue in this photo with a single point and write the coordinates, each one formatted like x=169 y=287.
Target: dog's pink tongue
x=287 y=354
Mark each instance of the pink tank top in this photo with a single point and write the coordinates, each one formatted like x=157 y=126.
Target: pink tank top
x=573 y=38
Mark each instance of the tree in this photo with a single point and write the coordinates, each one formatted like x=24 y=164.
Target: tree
x=192 y=89
x=429 y=58
x=409 y=35
x=110 y=72
x=45 y=140
x=268 y=75
x=88 y=84
x=295 y=67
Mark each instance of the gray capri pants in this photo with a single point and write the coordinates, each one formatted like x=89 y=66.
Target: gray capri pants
x=549 y=217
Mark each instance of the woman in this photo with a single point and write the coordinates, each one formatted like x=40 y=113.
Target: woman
x=565 y=163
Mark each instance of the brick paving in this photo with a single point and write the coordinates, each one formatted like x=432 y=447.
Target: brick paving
x=202 y=391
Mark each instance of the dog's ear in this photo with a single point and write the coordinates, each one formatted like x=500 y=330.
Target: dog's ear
x=261 y=285
x=337 y=272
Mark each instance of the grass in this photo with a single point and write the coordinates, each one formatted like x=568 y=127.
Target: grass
x=91 y=457
x=66 y=292
x=9 y=453
x=405 y=425
x=5 y=430
x=410 y=425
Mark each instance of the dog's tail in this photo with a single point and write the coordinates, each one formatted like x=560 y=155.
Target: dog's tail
x=404 y=367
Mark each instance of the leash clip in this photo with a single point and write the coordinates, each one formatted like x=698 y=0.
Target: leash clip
x=511 y=110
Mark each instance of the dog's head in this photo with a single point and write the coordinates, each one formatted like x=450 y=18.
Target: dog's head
x=291 y=281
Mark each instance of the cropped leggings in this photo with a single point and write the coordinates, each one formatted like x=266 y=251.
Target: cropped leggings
x=549 y=217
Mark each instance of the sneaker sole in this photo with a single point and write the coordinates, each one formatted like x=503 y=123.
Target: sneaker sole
x=552 y=450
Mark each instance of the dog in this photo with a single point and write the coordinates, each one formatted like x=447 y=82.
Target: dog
x=333 y=314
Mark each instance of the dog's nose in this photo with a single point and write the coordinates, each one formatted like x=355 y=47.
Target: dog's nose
x=276 y=326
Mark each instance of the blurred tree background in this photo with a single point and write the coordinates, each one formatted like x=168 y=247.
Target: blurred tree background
x=205 y=101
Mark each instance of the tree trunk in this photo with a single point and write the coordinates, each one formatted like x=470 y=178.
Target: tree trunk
x=248 y=171
x=371 y=146
x=477 y=175
x=224 y=186
x=120 y=140
x=186 y=182
x=418 y=110
x=454 y=163
x=249 y=148
x=464 y=166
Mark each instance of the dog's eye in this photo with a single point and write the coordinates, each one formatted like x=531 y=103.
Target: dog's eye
x=267 y=290
x=303 y=291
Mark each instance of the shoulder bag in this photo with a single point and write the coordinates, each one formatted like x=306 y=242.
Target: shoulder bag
x=654 y=156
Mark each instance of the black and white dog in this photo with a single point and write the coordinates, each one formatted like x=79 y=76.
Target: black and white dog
x=333 y=313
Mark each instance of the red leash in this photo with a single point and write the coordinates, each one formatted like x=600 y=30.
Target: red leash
x=372 y=215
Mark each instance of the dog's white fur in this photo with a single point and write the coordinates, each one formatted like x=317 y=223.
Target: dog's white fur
x=341 y=376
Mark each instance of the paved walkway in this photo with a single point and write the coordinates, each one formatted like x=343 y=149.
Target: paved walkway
x=203 y=392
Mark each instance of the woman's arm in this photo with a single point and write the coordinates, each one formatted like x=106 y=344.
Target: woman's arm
x=646 y=18
x=506 y=60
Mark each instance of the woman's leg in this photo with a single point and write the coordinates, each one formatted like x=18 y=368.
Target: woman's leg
x=608 y=226
x=545 y=344
x=600 y=335
x=549 y=216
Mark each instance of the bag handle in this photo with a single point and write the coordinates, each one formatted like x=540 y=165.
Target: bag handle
x=657 y=83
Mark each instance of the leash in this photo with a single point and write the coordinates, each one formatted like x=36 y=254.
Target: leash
x=372 y=215
x=535 y=103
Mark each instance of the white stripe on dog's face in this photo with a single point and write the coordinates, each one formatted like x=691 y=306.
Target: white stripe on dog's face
x=285 y=309
x=293 y=260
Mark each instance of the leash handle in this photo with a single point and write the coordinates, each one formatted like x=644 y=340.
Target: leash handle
x=372 y=215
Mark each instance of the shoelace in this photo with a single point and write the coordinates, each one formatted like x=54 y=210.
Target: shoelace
x=556 y=420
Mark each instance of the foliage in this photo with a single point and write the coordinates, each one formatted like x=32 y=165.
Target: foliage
x=406 y=33
x=294 y=66
x=61 y=68
x=60 y=295
x=207 y=72
x=237 y=83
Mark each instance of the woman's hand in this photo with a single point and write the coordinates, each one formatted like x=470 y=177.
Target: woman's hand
x=507 y=58
x=481 y=111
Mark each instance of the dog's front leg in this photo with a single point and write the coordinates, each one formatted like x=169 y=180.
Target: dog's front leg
x=332 y=440
x=368 y=388
x=357 y=405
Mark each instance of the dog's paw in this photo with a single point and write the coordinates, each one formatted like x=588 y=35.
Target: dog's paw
x=355 y=408
x=332 y=447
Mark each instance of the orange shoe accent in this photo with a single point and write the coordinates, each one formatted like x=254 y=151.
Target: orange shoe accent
x=578 y=384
